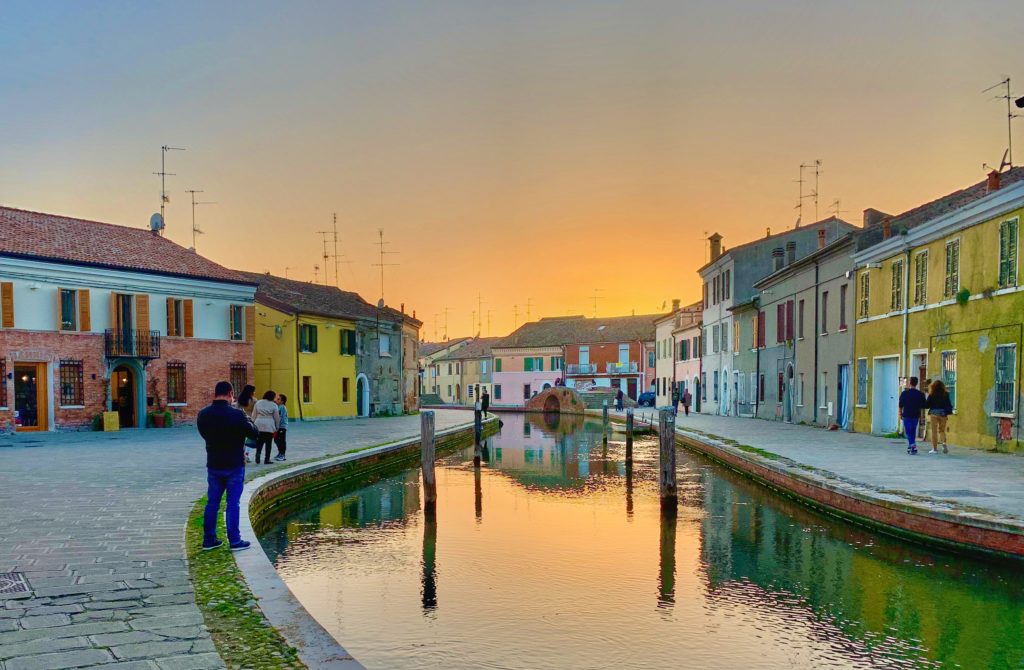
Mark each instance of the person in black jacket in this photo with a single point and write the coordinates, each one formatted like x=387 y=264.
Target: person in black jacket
x=485 y=402
x=225 y=429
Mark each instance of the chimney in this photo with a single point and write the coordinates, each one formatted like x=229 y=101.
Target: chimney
x=675 y=304
x=778 y=257
x=790 y=252
x=872 y=217
x=821 y=238
x=993 y=181
x=716 y=246
x=886 y=229
x=403 y=308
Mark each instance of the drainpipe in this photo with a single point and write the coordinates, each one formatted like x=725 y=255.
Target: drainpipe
x=757 y=354
x=817 y=334
x=906 y=308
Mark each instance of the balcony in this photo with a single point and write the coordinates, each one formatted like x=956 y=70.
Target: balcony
x=621 y=368
x=132 y=344
x=580 y=369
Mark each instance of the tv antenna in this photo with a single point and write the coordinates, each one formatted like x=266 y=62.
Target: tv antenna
x=163 y=174
x=595 y=298
x=814 y=194
x=195 y=227
x=529 y=304
x=286 y=269
x=1010 y=116
x=515 y=317
x=316 y=274
x=489 y=322
x=437 y=318
x=835 y=209
x=381 y=243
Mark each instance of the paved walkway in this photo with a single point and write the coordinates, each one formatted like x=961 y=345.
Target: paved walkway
x=965 y=477
x=96 y=523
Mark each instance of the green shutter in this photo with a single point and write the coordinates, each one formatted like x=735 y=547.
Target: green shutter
x=312 y=332
x=528 y=365
x=540 y=364
x=497 y=365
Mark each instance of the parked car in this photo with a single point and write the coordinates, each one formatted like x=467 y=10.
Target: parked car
x=647 y=399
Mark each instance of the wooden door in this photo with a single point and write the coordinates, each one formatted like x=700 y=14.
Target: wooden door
x=30 y=397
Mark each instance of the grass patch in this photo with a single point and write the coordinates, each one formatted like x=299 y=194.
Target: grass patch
x=893 y=436
x=243 y=636
x=760 y=452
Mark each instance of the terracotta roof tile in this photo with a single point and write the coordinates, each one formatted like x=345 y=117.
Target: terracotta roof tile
x=80 y=242
x=558 y=331
x=294 y=296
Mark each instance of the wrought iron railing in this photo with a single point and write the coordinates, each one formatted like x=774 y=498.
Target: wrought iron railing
x=581 y=369
x=621 y=368
x=132 y=343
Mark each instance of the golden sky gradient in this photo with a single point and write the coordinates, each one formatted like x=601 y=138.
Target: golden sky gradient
x=523 y=151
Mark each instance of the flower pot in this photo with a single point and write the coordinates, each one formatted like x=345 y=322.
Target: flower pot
x=158 y=420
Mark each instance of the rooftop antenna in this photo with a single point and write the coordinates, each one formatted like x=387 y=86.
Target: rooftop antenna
x=195 y=228
x=529 y=304
x=437 y=317
x=515 y=317
x=163 y=174
x=835 y=209
x=445 y=324
x=286 y=269
x=323 y=236
x=316 y=274
x=381 y=243
x=800 y=200
x=595 y=298
x=337 y=282
x=1008 y=157
x=479 y=312
x=489 y=322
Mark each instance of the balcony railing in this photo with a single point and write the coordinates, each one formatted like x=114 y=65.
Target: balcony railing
x=132 y=343
x=621 y=368
x=574 y=369
x=580 y=369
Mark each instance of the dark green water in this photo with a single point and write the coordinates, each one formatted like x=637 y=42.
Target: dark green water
x=554 y=556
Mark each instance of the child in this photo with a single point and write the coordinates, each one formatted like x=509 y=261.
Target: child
x=281 y=439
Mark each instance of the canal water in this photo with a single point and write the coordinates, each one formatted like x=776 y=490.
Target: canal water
x=553 y=555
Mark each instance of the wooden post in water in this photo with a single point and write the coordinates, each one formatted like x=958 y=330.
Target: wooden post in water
x=604 y=422
x=629 y=436
x=667 y=476
x=427 y=460
x=478 y=429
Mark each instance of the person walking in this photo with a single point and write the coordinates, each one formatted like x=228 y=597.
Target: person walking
x=675 y=400
x=619 y=395
x=939 y=408
x=485 y=402
x=245 y=402
x=687 y=401
x=281 y=439
x=912 y=405
x=267 y=417
x=224 y=428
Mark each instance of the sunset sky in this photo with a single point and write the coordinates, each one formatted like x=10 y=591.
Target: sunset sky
x=525 y=151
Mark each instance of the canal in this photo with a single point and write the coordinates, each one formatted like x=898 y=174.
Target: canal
x=554 y=555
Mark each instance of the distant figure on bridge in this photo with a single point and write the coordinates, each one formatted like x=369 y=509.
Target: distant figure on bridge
x=619 y=396
x=485 y=402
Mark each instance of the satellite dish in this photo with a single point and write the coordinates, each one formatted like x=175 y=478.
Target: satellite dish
x=156 y=223
x=380 y=304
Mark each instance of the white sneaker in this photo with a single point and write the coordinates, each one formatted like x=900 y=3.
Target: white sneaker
x=933 y=451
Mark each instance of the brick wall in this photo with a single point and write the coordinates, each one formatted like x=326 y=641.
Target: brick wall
x=206 y=363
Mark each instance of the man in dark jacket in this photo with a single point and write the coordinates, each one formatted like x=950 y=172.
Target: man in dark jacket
x=485 y=402
x=912 y=404
x=225 y=429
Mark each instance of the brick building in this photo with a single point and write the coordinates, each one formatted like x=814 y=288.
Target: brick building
x=97 y=317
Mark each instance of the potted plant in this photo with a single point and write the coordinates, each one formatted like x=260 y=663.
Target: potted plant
x=159 y=415
x=168 y=418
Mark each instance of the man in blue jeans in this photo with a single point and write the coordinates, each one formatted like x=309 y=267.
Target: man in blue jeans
x=912 y=403
x=225 y=429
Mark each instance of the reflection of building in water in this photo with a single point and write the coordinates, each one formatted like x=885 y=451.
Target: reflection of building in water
x=883 y=593
x=392 y=499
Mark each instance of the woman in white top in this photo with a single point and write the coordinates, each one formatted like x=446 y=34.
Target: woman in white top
x=267 y=418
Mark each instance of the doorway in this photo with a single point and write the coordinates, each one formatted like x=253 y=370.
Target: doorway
x=122 y=395
x=885 y=391
x=919 y=367
x=362 y=396
x=30 y=397
x=842 y=396
x=788 y=404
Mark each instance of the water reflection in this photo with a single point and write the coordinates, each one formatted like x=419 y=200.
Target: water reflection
x=741 y=578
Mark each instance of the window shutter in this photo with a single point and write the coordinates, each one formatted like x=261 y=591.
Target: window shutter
x=250 y=324
x=188 y=318
x=7 y=303
x=142 y=312
x=1011 y=276
x=170 y=318
x=60 y=309
x=114 y=324
x=780 y=322
x=789 y=320
x=84 y=311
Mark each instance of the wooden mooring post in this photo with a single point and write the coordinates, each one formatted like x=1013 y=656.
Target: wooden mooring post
x=604 y=422
x=667 y=472
x=427 y=460
x=629 y=436
x=478 y=430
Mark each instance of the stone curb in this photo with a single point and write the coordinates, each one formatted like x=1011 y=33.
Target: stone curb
x=317 y=648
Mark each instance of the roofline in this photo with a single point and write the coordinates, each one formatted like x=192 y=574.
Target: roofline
x=806 y=260
x=987 y=207
x=122 y=268
x=831 y=219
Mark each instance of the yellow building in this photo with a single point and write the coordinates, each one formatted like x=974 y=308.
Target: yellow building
x=939 y=297
x=306 y=346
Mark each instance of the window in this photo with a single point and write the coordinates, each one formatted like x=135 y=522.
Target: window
x=237 y=318
x=528 y=365
x=497 y=391
x=800 y=391
x=1006 y=379
x=348 y=342
x=175 y=317
x=704 y=387
x=497 y=365
x=862 y=382
x=359 y=343
x=238 y=376
x=725 y=337
x=735 y=337
x=624 y=353
x=789 y=319
x=72 y=391
x=557 y=362
x=704 y=342
x=921 y=278
x=780 y=322
x=307 y=389
x=715 y=341
x=1008 y=253
x=705 y=295
x=176 y=390
x=68 y=309
x=3 y=382
x=727 y=284
x=344 y=389
x=760 y=329
x=485 y=366
x=715 y=389
x=650 y=359
x=781 y=391
x=449 y=390
x=896 y=299
x=760 y=387
x=823 y=404
x=717 y=281
x=824 y=313
x=526 y=391
x=753 y=388
x=842 y=307
x=951 y=286
x=585 y=355
x=384 y=345
x=865 y=294
x=949 y=374
x=800 y=320
x=307 y=338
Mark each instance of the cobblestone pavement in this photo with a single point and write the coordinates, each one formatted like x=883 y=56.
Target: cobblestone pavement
x=96 y=523
x=973 y=477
